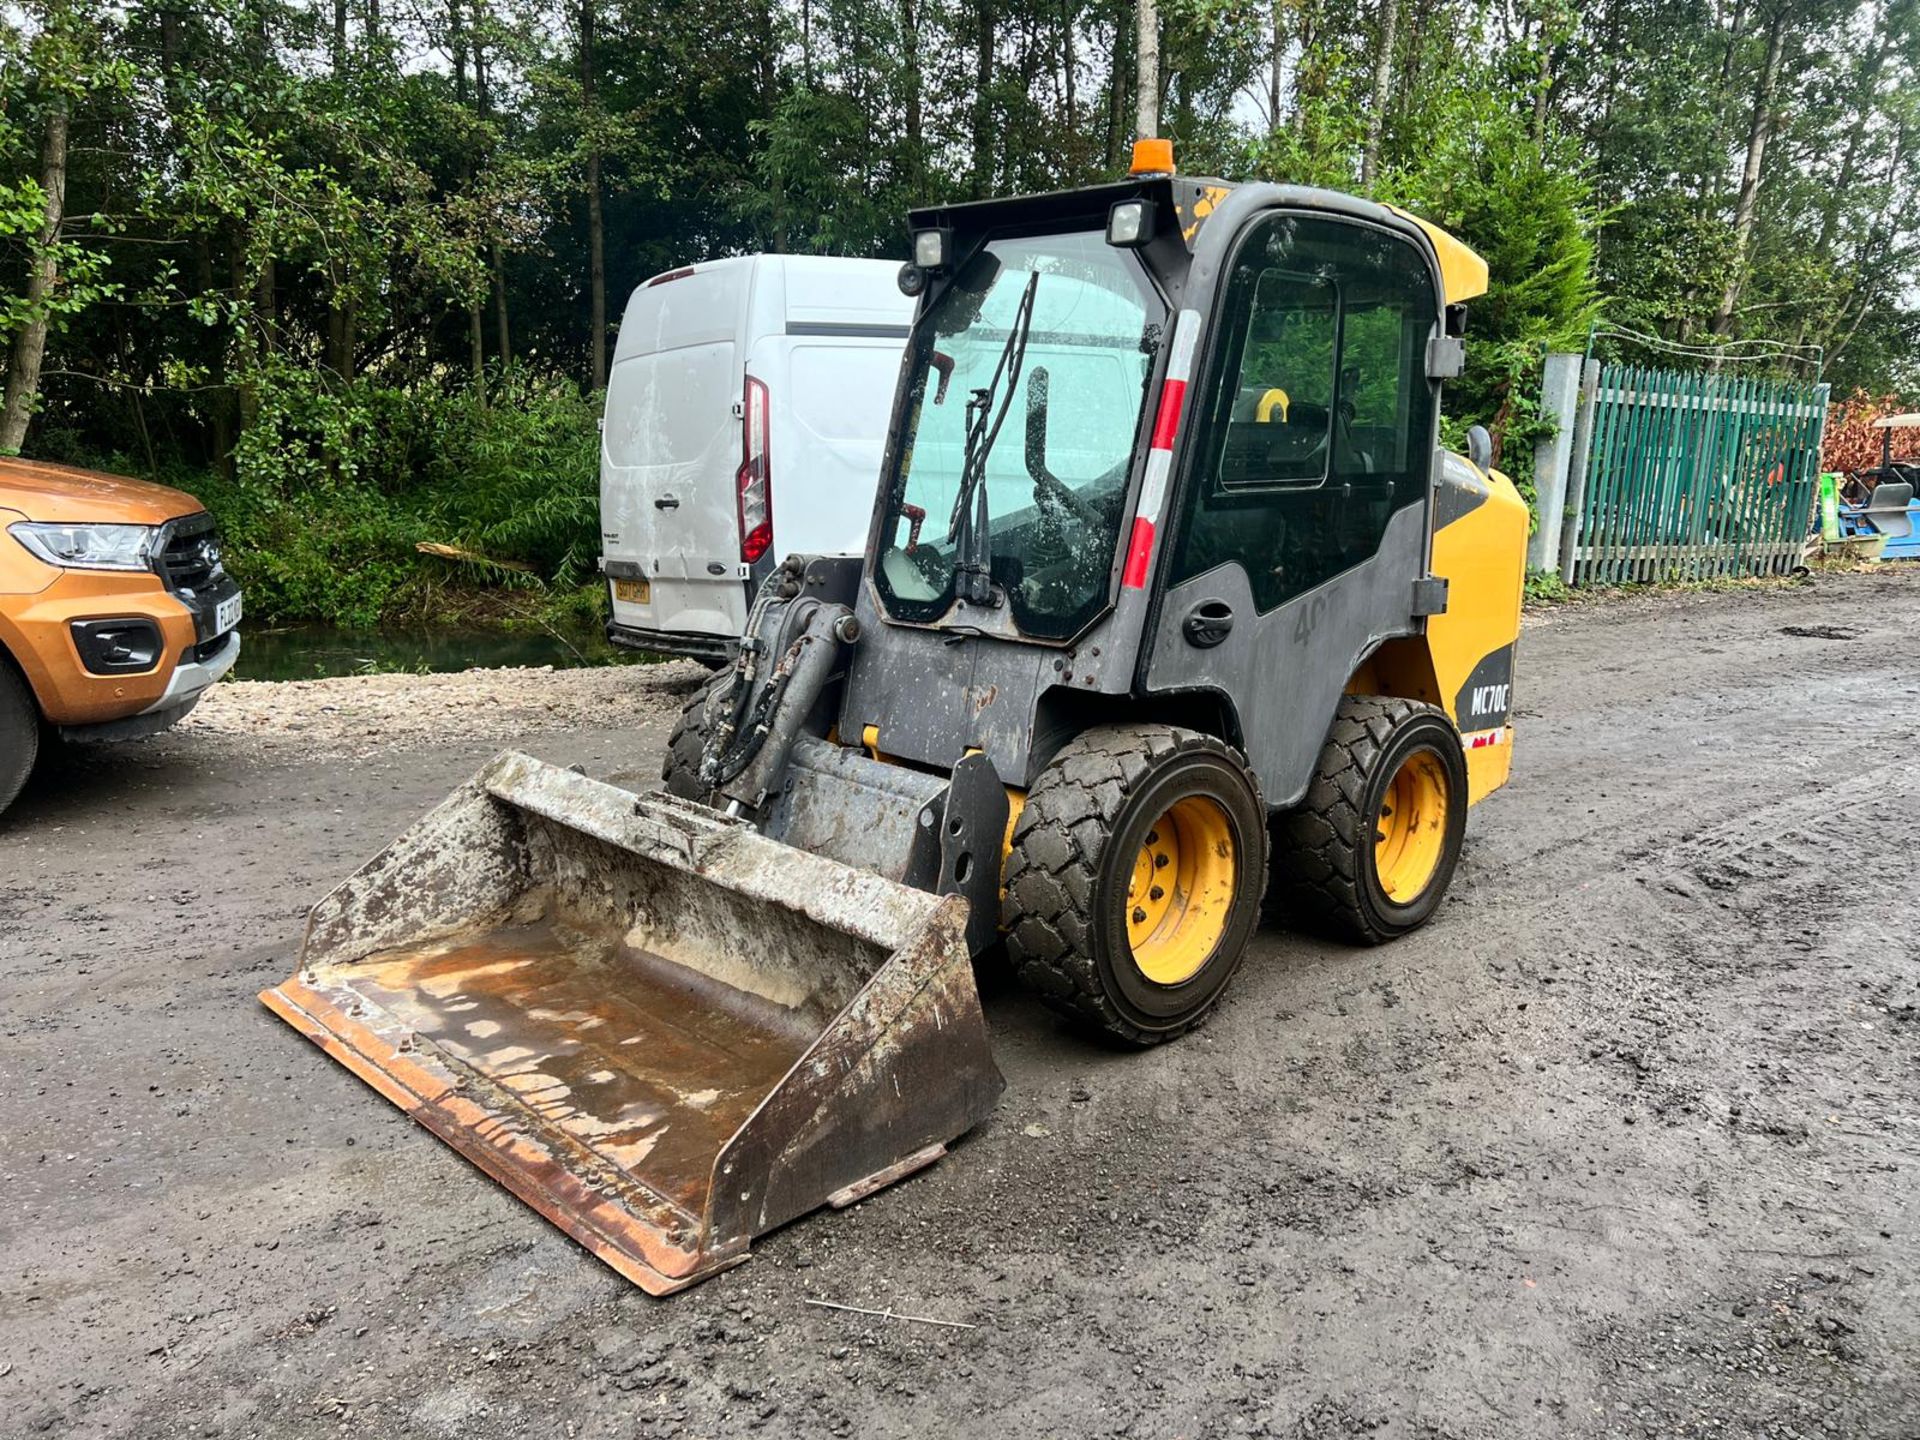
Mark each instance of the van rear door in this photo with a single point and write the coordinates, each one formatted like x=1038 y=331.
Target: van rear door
x=831 y=370
x=670 y=455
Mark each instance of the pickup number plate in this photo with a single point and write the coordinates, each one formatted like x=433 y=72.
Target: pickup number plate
x=634 y=592
x=226 y=615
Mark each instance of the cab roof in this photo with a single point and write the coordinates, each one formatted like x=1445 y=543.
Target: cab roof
x=1463 y=274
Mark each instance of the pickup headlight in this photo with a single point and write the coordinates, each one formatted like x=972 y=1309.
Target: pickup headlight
x=88 y=547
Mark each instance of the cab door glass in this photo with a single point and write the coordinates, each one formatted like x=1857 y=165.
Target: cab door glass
x=1279 y=419
x=1317 y=416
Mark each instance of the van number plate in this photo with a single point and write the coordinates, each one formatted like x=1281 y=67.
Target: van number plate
x=226 y=615
x=634 y=592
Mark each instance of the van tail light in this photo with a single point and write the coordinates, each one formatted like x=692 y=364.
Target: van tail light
x=756 y=474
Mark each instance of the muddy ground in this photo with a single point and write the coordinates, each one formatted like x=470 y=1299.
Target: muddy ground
x=1627 y=1142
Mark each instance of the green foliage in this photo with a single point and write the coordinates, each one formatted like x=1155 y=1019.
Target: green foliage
x=1545 y=588
x=341 y=282
x=333 y=491
x=520 y=480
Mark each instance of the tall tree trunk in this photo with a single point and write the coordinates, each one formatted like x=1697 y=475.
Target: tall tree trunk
x=1865 y=87
x=596 y=221
x=1542 y=86
x=266 y=308
x=983 y=98
x=30 y=344
x=1747 y=202
x=1146 y=80
x=597 y=270
x=503 y=335
x=483 y=99
x=219 y=406
x=477 y=349
x=1117 y=87
x=1276 y=64
x=457 y=42
x=339 y=354
x=1382 y=82
x=219 y=401
x=1067 y=63
x=249 y=344
x=1706 y=178
x=768 y=61
x=1310 y=79
x=910 y=43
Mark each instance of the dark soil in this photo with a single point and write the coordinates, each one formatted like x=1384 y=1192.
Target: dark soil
x=1625 y=1142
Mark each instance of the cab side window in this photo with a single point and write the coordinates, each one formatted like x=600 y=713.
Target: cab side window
x=1316 y=420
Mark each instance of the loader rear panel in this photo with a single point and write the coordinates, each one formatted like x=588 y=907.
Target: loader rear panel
x=663 y=1031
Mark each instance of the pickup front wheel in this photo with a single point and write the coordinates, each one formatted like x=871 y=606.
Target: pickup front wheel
x=19 y=733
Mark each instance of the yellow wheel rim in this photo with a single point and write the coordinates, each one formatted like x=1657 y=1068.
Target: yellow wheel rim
x=1410 y=827
x=1181 y=890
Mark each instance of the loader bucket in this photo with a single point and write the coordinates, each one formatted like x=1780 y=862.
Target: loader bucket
x=665 y=1032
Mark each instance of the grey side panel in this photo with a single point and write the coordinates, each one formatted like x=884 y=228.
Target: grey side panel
x=840 y=804
x=936 y=695
x=1286 y=669
x=900 y=823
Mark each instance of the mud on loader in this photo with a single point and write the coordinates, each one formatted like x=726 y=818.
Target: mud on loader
x=1217 y=607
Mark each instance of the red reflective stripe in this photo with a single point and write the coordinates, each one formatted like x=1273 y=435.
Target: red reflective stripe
x=1139 y=552
x=1173 y=395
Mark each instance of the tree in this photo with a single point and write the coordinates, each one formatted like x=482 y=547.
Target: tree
x=66 y=60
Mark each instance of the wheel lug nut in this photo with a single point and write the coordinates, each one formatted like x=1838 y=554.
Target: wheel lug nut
x=1159 y=861
x=1153 y=837
x=1156 y=893
x=1139 y=915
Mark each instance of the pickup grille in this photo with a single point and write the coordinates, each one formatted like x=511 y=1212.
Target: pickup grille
x=189 y=555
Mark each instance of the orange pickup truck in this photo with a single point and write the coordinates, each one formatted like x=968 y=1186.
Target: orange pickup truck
x=115 y=611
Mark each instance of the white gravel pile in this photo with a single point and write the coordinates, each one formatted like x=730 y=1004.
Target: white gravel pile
x=357 y=714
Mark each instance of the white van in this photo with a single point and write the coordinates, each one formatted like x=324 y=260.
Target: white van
x=746 y=414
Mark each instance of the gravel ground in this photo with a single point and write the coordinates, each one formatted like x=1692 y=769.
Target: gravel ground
x=1622 y=1144
x=364 y=714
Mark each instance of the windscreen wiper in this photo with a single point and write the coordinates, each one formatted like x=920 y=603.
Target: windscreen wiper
x=967 y=528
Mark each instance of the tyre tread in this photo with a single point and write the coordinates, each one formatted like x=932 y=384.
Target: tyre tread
x=1318 y=846
x=1053 y=868
x=19 y=733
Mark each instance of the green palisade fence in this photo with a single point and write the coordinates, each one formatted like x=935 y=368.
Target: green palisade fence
x=1694 y=475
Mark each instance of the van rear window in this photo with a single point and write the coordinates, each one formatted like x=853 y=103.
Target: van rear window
x=673 y=407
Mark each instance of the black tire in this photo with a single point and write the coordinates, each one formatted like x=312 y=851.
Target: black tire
x=19 y=733
x=1326 y=864
x=680 y=767
x=1084 y=835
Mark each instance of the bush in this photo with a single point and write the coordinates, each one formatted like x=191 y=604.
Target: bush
x=335 y=487
x=520 y=481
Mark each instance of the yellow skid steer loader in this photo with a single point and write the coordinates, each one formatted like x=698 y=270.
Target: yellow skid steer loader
x=1219 y=612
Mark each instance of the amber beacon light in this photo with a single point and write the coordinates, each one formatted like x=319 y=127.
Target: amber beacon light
x=1152 y=157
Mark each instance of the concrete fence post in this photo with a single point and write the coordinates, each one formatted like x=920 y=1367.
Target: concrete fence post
x=1578 y=456
x=1559 y=398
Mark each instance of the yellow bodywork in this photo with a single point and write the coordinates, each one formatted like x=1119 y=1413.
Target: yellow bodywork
x=1481 y=554
x=1463 y=274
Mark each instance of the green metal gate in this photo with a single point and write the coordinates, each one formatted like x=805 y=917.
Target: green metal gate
x=1693 y=475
